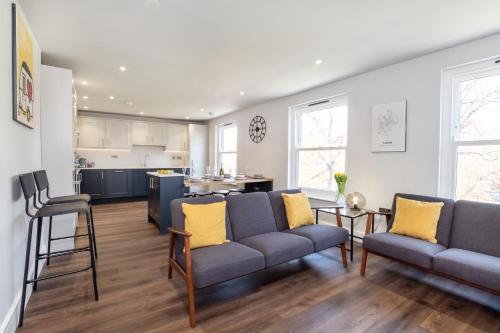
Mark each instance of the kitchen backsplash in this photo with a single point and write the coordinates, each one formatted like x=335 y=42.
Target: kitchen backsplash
x=135 y=157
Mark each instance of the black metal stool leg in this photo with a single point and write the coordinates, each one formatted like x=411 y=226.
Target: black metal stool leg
x=93 y=229
x=37 y=250
x=92 y=258
x=26 y=268
x=49 y=241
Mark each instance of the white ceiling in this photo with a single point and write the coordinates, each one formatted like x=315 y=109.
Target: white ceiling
x=185 y=55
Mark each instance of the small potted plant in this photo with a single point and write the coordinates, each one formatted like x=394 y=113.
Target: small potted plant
x=341 y=180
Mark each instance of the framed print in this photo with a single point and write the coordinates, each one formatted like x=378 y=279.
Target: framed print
x=389 y=127
x=23 y=71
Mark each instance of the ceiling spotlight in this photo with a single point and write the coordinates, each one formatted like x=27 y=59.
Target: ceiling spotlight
x=85 y=107
x=201 y=110
x=187 y=118
x=242 y=93
x=123 y=68
x=141 y=112
x=85 y=97
x=84 y=83
x=318 y=62
x=111 y=97
x=129 y=103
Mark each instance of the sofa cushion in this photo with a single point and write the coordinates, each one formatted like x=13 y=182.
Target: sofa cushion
x=407 y=249
x=278 y=207
x=178 y=217
x=476 y=227
x=250 y=214
x=322 y=236
x=205 y=223
x=471 y=266
x=279 y=247
x=445 y=219
x=214 y=264
x=416 y=219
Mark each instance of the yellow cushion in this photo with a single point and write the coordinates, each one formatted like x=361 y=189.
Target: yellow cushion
x=417 y=219
x=206 y=223
x=298 y=210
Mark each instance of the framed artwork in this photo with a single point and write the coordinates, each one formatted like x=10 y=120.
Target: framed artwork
x=23 y=71
x=389 y=127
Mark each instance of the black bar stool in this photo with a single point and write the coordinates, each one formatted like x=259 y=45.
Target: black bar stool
x=29 y=191
x=221 y=192
x=42 y=184
x=236 y=191
x=203 y=194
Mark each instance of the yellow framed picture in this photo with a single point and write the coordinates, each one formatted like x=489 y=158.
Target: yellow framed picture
x=23 y=71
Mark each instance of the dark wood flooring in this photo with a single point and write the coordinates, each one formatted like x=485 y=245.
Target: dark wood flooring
x=314 y=294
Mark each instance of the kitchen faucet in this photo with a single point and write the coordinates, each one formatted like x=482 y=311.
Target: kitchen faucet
x=146 y=159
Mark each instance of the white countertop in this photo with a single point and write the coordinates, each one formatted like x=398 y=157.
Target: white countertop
x=156 y=174
x=127 y=167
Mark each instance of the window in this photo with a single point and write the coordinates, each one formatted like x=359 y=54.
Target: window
x=227 y=144
x=471 y=171
x=318 y=143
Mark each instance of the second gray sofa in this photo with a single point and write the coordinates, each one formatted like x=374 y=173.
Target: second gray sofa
x=257 y=228
x=468 y=247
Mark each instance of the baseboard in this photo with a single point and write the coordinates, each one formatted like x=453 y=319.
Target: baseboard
x=9 y=322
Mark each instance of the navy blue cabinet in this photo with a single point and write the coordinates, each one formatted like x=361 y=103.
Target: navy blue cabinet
x=118 y=183
x=93 y=183
x=161 y=191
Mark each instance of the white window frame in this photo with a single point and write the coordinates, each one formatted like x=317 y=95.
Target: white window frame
x=450 y=120
x=294 y=139
x=219 y=151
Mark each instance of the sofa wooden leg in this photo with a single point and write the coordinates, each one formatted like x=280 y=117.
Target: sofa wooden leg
x=344 y=254
x=191 y=306
x=363 y=262
x=170 y=254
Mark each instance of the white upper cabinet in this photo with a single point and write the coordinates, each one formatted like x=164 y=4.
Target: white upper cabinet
x=92 y=132
x=157 y=134
x=177 y=137
x=118 y=133
x=148 y=134
x=140 y=133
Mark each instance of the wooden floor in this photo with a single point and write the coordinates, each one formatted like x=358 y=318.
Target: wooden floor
x=314 y=294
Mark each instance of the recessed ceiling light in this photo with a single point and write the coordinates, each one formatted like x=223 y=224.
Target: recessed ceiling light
x=84 y=83
x=242 y=93
x=72 y=80
x=187 y=118
x=141 y=112
x=318 y=62
x=85 y=97
x=111 y=97
x=123 y=68
x=85 y=107
x=201 y=110
x=129 y=103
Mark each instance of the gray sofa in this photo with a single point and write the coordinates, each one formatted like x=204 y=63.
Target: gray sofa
x=257 y=228
x=468 y=248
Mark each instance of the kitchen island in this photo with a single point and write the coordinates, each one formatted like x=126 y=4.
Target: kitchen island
x=162 y=189
x=106 y=184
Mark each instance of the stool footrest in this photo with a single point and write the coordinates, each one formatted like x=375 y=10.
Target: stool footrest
x=62 y=253
x=60 y=274
x=66 y=237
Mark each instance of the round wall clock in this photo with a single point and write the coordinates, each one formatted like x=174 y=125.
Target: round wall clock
x=257 y=129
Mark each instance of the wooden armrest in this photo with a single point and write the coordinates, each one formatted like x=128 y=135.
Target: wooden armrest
x=179 y=232
x=369 y=222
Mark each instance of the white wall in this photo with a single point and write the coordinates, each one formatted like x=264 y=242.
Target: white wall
x=57 y=146
x=20 y=149
x=377 y=175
